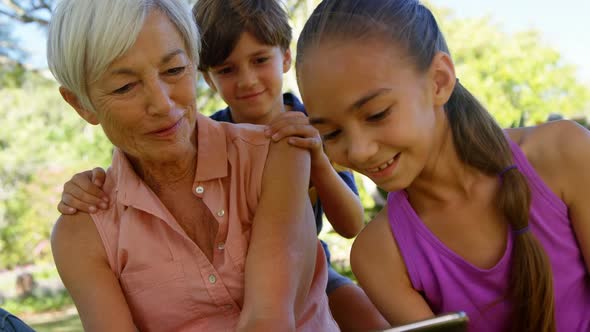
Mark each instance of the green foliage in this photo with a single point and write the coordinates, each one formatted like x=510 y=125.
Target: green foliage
x=42 y=142
x=12 y=72
x=514 y=75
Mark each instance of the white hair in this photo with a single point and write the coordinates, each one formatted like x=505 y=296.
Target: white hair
x=86 y=36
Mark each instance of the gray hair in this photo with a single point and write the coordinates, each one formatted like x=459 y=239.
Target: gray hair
x=86 y=36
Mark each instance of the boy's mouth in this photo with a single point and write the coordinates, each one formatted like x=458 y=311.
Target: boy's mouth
x=251 y=95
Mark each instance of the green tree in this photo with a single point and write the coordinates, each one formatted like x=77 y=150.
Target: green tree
x=12 y=72
x=42 y=142
x=516 y=76
x=27 y=11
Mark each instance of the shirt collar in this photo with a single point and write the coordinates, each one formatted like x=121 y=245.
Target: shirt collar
x=212 y=149
x=211 y=164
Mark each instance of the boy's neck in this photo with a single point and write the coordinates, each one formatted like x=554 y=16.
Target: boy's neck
x=263 y=120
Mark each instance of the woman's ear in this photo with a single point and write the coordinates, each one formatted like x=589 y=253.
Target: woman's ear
x=443 y=78
x=74 y=101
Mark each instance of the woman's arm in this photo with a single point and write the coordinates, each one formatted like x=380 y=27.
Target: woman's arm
x=341 y=205
x=380 y=270
x=283 y=244
x=83 y=267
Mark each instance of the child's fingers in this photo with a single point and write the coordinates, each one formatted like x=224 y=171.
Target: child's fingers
x=73 y=193
x=86 y=181
x=63 y=208
x=72 y=202
x=98 y=176
x=297 y=130
x=309 y=143
x=285 y=120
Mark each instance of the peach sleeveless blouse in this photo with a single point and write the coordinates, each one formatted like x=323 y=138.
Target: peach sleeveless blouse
x=167 y=280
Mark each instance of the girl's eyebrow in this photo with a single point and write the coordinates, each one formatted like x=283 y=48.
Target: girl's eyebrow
x=367 y=98
x=356 y=105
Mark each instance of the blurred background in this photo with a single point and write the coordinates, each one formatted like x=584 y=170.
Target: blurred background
x=526 y=60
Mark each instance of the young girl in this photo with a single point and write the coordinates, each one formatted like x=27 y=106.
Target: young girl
x=491 y=222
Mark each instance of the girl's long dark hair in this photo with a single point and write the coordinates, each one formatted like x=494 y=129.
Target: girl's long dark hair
x=478 y=139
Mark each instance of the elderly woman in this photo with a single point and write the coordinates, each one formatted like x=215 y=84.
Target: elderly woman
x=201 y=233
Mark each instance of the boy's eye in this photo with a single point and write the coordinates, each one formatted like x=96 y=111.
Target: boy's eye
x=224 y=70
x=260 y=60
x=330 y=135
x=124 y=89
x=176 y=70
x=379 y=116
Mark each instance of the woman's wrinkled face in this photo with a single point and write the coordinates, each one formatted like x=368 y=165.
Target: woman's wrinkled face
x=374 y=111
x=145 y=102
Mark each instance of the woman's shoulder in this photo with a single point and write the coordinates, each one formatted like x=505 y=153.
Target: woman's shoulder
x=75 y=236
x=247 y=133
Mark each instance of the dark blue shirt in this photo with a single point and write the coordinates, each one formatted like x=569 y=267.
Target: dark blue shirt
x=291 y=100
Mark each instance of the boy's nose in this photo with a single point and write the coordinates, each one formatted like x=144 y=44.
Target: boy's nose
x=247 y=79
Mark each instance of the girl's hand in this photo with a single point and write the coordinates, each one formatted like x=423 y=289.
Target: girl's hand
x=295 y=126
x=84 y=193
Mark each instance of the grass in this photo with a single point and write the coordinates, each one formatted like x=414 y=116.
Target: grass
x=65 y=324
x=36 y=304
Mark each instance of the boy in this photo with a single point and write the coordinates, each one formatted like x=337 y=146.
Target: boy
x=245 y=54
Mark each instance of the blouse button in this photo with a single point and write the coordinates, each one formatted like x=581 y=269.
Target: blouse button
x=221 y=246
x=212 y=278
x=200 y=190
x=220 y=213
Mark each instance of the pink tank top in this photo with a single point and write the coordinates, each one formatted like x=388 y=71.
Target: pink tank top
x=449 y=283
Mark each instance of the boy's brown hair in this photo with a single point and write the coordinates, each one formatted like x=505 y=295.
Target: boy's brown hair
x=222 y=22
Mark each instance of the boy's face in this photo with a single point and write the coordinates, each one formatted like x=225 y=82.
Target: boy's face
x=250 y=80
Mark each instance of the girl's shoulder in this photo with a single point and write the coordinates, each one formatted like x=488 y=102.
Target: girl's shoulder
x=551 y=142
x=556 y=150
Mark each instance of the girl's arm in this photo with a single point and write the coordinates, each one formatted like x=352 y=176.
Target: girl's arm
x=380 y=270
x=341 y=205
x=572 y=144
x=560 y=153
x=83 y=267
x=283 y=244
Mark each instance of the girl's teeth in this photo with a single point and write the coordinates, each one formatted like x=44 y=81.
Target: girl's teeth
x=382 y=167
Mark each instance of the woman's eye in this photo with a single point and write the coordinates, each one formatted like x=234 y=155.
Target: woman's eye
x=124 y=89
x=379 y=116
x=176 y=70
x=330 y=135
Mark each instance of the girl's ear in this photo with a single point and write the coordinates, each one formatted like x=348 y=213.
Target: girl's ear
x=443 y=78
x=287 y=61
x=74 y=101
